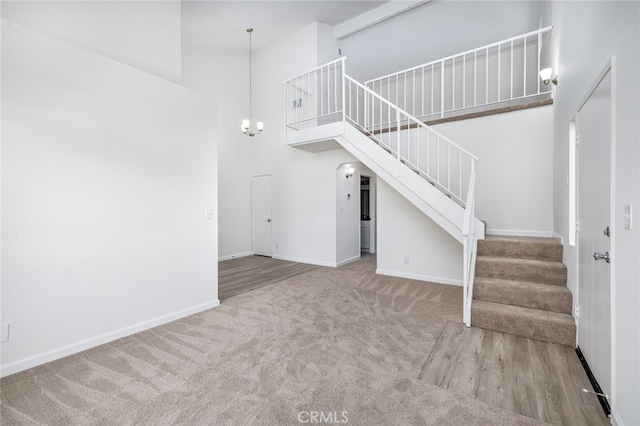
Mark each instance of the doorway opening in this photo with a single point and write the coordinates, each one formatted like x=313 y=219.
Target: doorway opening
x=367 y=214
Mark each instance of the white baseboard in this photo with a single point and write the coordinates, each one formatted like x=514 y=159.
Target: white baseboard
x=558 y=236
x=431 y=279
x=615 y=417
x=234 y=256
x=519 y=233
x=350 y=260
x=307 y=261
x=83 y=345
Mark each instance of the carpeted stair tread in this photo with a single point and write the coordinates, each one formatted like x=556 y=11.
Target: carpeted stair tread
x=532 y=323
x=528 y=270
x=521 y=247
x=519 y=293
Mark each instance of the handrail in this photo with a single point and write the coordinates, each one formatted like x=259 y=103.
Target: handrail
x=340 y=59
x=468 y=224
x=470 y=244
x=435 y=157
x=468 y=52
x=303 y=107
x=505 y=70
x=410 y=117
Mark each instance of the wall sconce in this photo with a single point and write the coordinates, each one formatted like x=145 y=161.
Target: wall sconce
x=545 y=76
x=350 y=171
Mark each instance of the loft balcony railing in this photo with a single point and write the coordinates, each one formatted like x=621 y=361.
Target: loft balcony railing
x=327 y=95
x=501 y=73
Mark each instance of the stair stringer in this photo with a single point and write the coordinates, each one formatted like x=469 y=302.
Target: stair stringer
x=427 y=198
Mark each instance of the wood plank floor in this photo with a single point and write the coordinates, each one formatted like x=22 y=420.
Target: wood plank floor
x=243 y=274
x=537 y=379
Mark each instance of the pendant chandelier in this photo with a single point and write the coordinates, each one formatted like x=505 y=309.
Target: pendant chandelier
x=247 y=124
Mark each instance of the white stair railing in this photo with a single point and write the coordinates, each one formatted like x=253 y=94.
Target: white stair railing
x=495 y=73
x=327 y=95
x=315 y=97
x=435 y=157
x=470 y=248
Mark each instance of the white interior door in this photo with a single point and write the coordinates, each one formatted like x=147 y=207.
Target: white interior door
x=261 y=207
x=594 y=217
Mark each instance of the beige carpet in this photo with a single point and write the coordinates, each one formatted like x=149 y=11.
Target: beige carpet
x=344 y=343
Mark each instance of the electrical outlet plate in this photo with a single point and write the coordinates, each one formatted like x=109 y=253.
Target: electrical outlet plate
x=209 y=214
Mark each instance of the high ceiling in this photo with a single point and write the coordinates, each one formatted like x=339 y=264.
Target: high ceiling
x=222 y=24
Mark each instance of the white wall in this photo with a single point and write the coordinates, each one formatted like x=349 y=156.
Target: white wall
x=434 y=30
x=304 y=183
x=224 y=75
x=404 y=231
x=586 y=36
x=514 y=192
x=142 y=34
x=106 y=176
x=327 y=43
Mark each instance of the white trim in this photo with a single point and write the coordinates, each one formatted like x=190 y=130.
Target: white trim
x=616 y=420
x=614 y=239
x=572 y=179
x=520 y=233
x=83 y=345
x=350 y=260
x=253 y=223
x=234 y=256
x=375 y=16
x=609 y=67
x=429 y=278
x=307 y=261
x=558 y=236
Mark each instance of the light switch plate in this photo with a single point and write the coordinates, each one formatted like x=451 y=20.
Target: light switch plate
x=627 y=216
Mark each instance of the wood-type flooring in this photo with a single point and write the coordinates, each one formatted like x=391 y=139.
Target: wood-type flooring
x=537 y=379
x=243 y=274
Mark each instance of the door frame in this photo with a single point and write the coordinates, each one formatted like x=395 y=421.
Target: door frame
x=609 y=67
x=373 y=232
x=253 y=223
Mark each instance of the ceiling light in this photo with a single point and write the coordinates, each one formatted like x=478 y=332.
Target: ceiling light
x=247 y=127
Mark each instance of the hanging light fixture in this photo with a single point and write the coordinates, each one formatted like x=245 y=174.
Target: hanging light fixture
x=247 y=124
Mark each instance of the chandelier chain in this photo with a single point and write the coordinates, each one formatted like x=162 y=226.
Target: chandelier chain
x=250 y=30
x=247 y=125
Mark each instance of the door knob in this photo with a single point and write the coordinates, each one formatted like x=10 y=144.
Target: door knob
x=268 y=220
x=600 y=256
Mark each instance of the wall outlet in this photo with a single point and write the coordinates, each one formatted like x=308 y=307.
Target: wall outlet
x=209 y=214
x=4 y=333
x=407 y=260
x=277 y=246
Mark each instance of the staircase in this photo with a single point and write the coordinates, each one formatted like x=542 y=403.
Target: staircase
x=520 y=288
x=521 y=283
